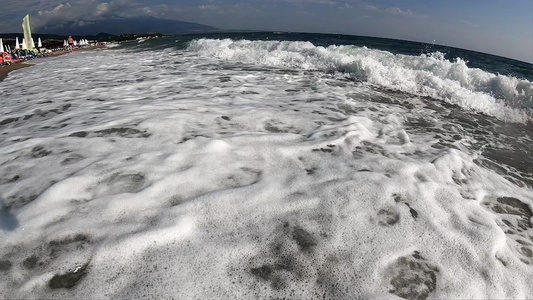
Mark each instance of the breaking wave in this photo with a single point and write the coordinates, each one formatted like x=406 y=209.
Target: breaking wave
x=504 y=97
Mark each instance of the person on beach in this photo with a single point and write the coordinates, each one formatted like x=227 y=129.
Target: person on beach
x=70 y=43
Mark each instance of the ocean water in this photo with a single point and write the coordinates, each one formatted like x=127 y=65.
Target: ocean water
x=267 y=165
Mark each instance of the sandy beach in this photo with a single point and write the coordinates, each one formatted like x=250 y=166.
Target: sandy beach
x=4 y=70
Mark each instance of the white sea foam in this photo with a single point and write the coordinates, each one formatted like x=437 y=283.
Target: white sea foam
x=425 y=75
x=184 y=176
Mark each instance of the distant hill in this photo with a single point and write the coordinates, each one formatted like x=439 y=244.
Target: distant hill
x=119 y=25
x=45 y=36
x=20 y=35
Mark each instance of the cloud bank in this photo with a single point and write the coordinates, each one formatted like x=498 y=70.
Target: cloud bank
x=409 y=20
x=84 y=12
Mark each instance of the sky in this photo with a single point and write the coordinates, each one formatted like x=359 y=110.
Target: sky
x=498 y=27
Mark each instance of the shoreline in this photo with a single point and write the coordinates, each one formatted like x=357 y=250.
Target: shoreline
x=6 y=69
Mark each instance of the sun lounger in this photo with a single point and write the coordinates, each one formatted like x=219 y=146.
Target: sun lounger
x=15 y=58
x=5 y=58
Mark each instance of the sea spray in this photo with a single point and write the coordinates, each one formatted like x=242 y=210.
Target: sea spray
x=505 y=97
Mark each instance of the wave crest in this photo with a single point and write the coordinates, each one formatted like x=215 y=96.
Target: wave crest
x=504 y=97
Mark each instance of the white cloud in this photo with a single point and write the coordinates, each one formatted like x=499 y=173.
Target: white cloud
x=85 y=11
x=207 y=7
x=370 y=7
x=102 y=8
x=392 y=11
x=329 y=2
x=399 y=11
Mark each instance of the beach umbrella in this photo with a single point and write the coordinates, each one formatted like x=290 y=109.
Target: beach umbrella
x=28 y=40
x=17 y=45
x=39 y=44
x=24 y=44
x=1 y=46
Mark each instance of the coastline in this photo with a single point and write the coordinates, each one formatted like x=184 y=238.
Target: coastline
x=6 y=69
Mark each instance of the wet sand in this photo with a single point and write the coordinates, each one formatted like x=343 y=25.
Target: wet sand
x=4 y=70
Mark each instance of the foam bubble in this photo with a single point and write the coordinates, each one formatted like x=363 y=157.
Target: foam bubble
x=181 y=175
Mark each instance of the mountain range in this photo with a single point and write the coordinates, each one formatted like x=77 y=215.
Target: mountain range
x=119 y=25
